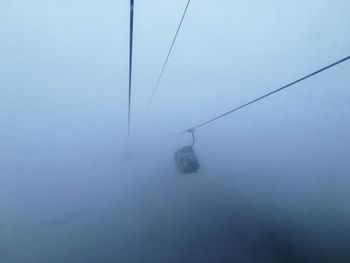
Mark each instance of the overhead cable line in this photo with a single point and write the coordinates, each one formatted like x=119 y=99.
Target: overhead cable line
x=268 y=94
x=167 y=57
x=130 y=58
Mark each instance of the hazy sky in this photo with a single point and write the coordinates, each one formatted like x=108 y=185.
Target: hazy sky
x=64 y=77
x=64 y=61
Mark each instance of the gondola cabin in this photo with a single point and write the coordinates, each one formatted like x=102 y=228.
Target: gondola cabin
x=186 y=160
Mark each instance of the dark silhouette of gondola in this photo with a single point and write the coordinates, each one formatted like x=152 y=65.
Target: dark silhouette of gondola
x=185 y=158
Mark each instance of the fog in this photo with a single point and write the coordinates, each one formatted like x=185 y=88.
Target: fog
x=274 y=179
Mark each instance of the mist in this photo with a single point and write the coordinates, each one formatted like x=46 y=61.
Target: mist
x=274 y=179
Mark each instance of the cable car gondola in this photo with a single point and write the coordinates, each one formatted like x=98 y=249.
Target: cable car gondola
x=185 y=158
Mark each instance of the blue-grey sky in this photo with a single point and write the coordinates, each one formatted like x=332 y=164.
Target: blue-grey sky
x=70 y=57
x=63 y=112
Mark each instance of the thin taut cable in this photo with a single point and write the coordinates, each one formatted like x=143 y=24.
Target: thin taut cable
x=167 y=57
x=130 y=59
x=270 y=93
